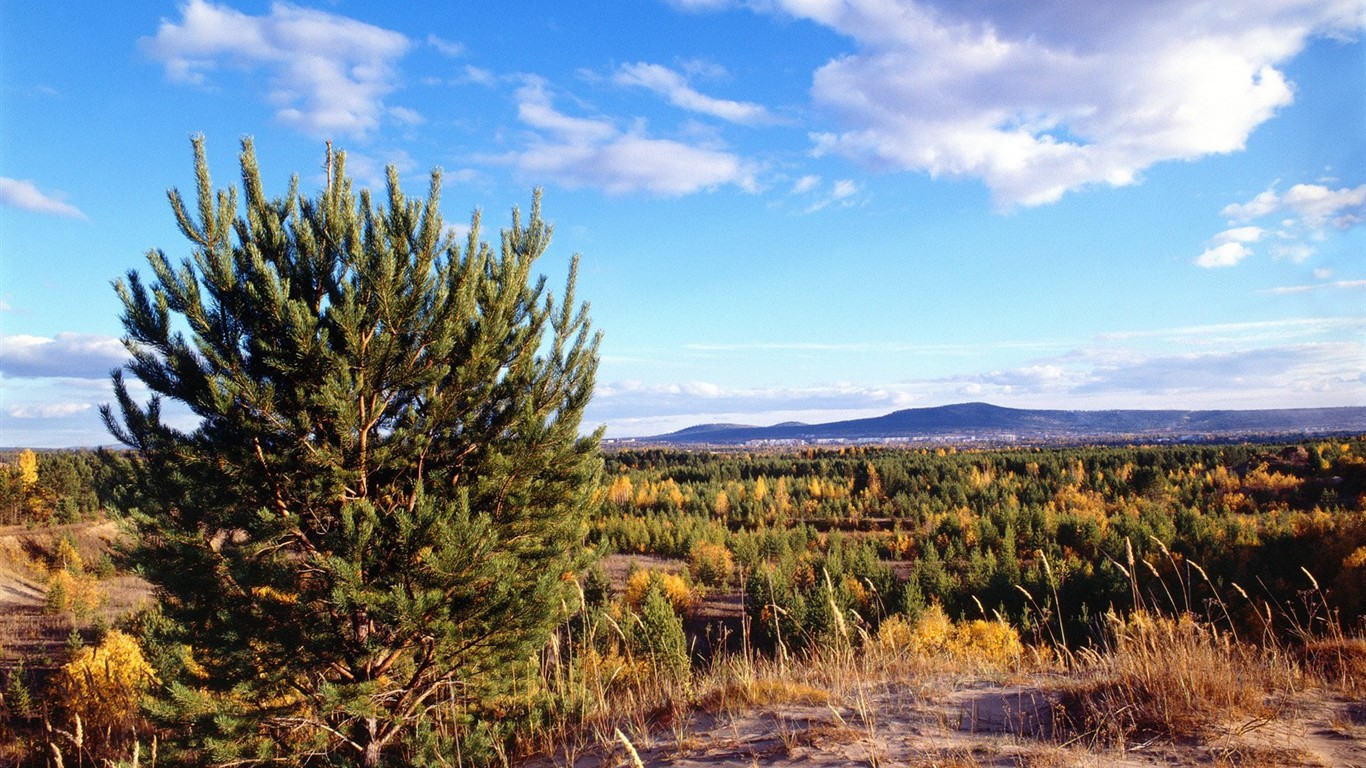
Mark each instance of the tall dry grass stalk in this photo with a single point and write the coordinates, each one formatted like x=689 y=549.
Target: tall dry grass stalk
x=1169 y=678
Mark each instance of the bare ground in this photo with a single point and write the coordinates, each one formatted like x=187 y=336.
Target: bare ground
x=961 y=723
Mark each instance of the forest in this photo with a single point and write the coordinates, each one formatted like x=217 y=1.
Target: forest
x=1048 y=539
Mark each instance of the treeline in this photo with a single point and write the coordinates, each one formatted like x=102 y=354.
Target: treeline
x=59 y=486
x=1048 y=539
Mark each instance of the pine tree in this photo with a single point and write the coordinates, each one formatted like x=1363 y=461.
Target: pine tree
x=384 y=495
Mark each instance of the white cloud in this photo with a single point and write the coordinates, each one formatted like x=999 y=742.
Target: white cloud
x=1243 y=335
x=594 y=152
x=843 y=188
x=700 y=5
x=1259 y=206
x=1342 y=285
x=77 y=355
x=328 y=74
x=676 y=89
x=1335 y=369
x=1296 y=252
x=23 y=194
x=1239 y=235
x=1312 y=209
x=1225 y=255
x=1037 y=99
x=374 y=173
x=446 y=47
x=479 y=76
x=805 y=184
x=47 y=410
x=1318 y=206
x=842 y=192
x=406 y=116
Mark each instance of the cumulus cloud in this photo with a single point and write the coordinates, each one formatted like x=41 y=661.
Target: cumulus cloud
x=1223 y=255
x=1318 y=206
x=1259 y=206
x=328 y=74
x=674 y=87
x=1037 y=99
x=594 y=152
x=1313 y=206
x=25 y=195
x=76 y=355
x=1305 y=211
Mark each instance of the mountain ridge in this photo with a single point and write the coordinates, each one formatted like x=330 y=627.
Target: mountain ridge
x=984 y=422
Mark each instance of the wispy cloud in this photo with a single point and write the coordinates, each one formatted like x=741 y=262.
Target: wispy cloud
x=1338 y=285
x=1038 y=99
x=25 y=195
x=47 y=410
x=446 y=47
x=675 y=87
x=843 y=193
x=886 y=347
x=328 y=74
x=1256 y=331
x=1329 y=370
x=594 y=152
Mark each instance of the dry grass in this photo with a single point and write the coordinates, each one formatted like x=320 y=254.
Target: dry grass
x=1170 y=679
x=765 y=692
x=1337 y=662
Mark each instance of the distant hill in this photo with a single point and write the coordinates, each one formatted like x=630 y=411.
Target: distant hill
x=986 y=423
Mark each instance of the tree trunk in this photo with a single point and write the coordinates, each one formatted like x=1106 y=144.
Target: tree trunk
x=371 y=755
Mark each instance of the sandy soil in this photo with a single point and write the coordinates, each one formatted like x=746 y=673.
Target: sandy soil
x=964 y=724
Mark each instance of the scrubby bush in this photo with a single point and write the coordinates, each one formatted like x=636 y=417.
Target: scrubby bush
x=934 y=635
x=657 y=634
x=711 y=564
x=682 y=598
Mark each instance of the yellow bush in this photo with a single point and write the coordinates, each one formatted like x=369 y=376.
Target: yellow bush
x=76 y=593
x=934 y=635
x=711 y=564
x=679 y=593
x=103 y=685
x=992 y=642
x=1356 y=560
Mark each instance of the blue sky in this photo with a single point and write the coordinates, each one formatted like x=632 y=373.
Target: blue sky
x=786 y=209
